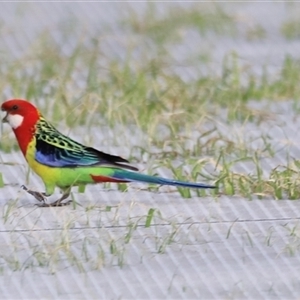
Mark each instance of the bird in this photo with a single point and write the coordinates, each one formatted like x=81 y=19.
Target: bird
x=62 y=162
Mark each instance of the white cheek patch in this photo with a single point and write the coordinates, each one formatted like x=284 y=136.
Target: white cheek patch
x=15 y=120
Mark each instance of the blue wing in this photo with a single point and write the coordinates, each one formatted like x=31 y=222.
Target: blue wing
x=54 y=149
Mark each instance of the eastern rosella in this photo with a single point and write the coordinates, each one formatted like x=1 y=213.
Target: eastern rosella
x=62 y=162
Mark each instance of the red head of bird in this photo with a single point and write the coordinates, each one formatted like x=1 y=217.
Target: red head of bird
x=22 y=116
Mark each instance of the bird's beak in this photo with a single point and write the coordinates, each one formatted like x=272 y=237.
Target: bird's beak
x=4 y=120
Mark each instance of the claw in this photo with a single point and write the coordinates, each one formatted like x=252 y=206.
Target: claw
x=37 y=195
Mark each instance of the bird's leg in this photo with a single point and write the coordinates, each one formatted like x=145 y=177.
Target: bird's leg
x=41 y=197
x=37 y=195
x=58 y=202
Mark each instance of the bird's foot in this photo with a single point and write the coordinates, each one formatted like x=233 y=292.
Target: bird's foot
x=57 y=203
x=37 y=195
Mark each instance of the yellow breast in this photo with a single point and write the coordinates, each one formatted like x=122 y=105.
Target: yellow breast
x=48 y=174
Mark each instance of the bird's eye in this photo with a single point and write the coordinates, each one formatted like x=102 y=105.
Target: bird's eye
x=15 y=107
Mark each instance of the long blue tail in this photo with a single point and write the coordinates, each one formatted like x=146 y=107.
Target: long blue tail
x=133 y=176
